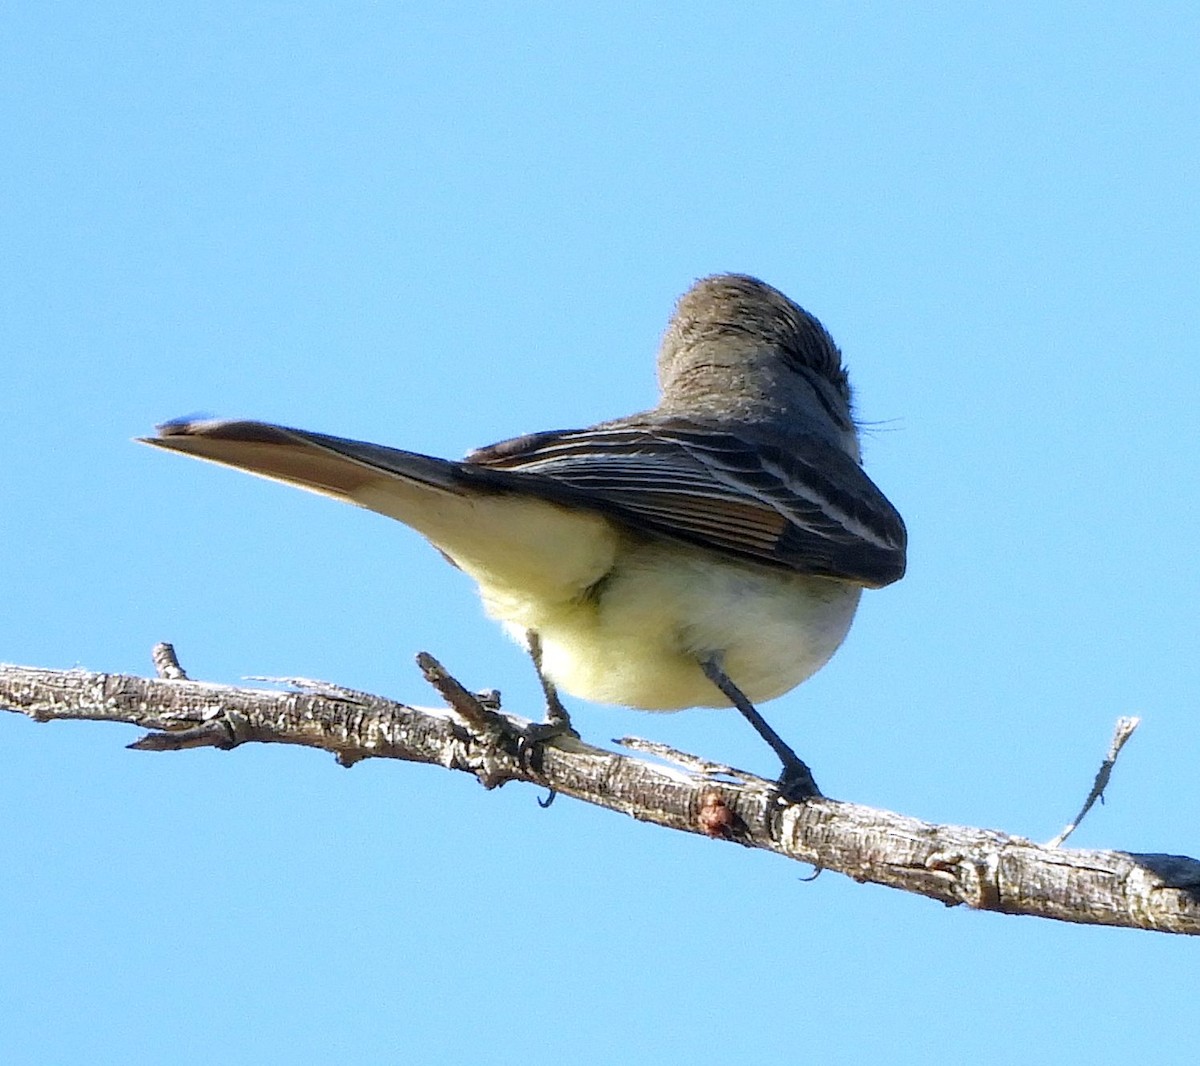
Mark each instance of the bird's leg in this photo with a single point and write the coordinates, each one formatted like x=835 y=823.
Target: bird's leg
x=796 y=782
x=556 y=713
x=558 y=722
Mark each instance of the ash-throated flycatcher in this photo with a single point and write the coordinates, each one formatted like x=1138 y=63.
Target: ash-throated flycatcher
x=707 y=552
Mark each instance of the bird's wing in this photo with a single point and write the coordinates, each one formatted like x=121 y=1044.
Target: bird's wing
x=806 y=506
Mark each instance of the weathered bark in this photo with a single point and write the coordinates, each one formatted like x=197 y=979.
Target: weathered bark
x=982 y=868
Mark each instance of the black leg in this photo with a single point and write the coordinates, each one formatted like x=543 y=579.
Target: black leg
x=796 y=781
x=556 y=713
x=557 y=724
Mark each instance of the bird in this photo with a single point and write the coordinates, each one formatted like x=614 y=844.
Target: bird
x=707 y=552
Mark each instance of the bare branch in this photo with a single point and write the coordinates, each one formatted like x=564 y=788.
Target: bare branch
x=981 y=868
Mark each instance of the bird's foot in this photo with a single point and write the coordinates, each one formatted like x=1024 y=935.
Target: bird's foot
x=533 y=738
x=796 y=783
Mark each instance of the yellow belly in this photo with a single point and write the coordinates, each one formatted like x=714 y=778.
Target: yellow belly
x=638 y=638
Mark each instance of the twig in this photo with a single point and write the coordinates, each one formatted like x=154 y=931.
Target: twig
x=483 y=718
x=166 y=664
x=1124 y=730
x=693 y=763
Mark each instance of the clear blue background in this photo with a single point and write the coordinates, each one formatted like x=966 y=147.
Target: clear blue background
x=439 y=228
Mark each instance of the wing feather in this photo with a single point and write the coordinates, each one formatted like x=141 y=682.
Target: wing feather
x=806 y=506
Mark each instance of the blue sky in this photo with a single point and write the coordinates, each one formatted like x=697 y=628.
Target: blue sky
x=437 y=229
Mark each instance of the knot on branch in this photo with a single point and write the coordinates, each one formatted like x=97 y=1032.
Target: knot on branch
x=974 y=878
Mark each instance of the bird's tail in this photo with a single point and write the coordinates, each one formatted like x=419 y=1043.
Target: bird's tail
x=345 y=469
x=500 y=532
